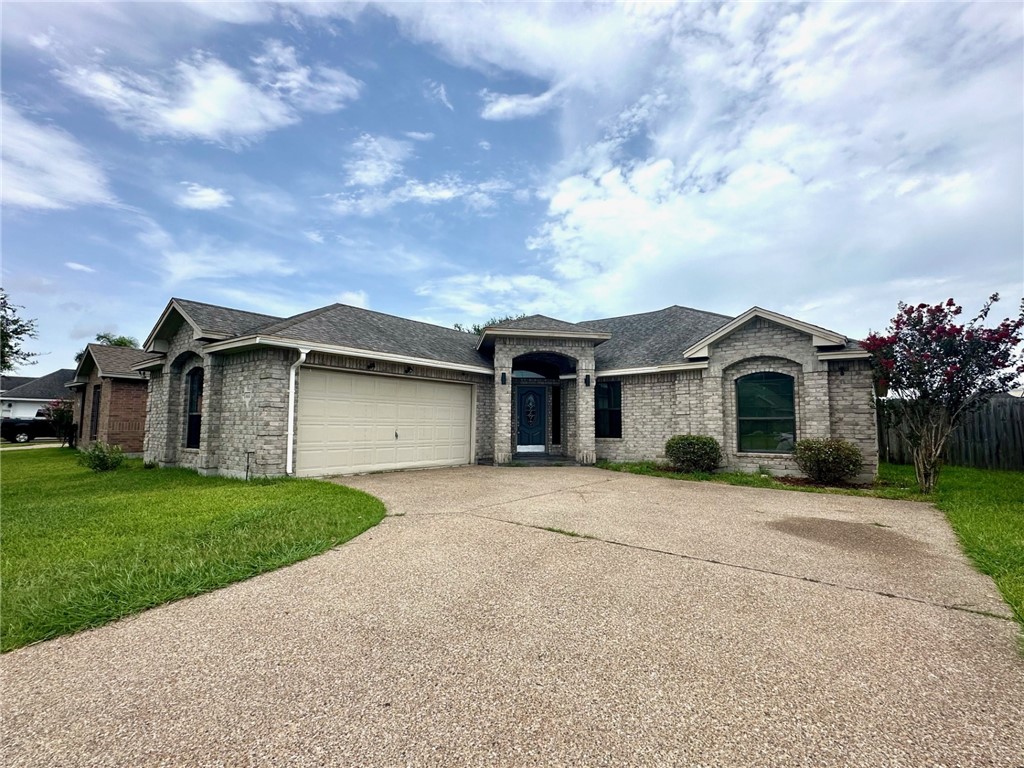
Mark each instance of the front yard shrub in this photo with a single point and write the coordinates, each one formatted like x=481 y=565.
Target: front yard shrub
x=693 y=453
x=101 y=457
x=828 y=460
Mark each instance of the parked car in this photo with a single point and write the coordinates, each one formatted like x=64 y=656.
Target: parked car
x=24 y=430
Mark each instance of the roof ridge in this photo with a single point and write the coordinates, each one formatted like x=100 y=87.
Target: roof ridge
x=656 y=311
x=370 y=312
x=287 y=322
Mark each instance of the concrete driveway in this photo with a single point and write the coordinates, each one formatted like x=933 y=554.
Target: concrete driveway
x=700 y=625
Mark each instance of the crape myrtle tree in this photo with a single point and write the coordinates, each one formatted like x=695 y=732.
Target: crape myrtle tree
x=60 y=413
x=937 y=370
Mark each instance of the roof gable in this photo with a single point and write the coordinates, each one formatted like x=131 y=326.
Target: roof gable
x=208 y=321
x=113 y=361
x=820 y=337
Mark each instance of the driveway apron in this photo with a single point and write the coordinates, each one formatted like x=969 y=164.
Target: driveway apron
x=557 y=616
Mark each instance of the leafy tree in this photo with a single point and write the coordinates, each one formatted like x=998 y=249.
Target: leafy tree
x=60 y=413
x=478 y=328
x=13 y=332
x=936 y=371
x=110 y=340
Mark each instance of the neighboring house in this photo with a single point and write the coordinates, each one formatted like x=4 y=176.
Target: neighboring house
x=343 y=390
x=110 y=397
x=26 y=400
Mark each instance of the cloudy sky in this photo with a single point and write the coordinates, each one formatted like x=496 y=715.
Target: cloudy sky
x=452 y=162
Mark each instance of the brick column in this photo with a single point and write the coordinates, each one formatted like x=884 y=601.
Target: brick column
x=815 y=405
x=502 y=405
x=586 y=448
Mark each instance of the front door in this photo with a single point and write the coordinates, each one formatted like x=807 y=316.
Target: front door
x=530 y=402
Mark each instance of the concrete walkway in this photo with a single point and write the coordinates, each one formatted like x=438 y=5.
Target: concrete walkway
x=701 y=625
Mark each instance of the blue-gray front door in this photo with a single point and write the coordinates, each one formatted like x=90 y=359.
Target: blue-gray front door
x=530 y=412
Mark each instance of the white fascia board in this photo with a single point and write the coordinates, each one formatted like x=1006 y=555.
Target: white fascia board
x=331 y=349
x=150 y=365
x=670 y=368
x=847 y=354
x=820 y=337
x=27 y=399
x=591 y=335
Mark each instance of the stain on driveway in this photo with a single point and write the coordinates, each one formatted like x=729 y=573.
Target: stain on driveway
x=701 y=625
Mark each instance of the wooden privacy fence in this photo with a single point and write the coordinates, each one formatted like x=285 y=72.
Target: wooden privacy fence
x=990 y=438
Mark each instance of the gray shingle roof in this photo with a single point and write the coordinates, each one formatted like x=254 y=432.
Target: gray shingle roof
x=10 y=382
x=652 y=338
x=223 y=320
x=541 y=323
x=48 y=387
x=118 y=361
x=345 y=326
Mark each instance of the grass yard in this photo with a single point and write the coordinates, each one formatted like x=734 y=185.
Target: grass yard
x=985 y=508
x=80 y=549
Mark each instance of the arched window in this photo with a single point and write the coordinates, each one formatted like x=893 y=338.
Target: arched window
x=765 y=416
x=194 y=407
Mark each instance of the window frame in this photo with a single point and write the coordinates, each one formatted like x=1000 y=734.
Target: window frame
x=613 y=420
x=194 y=407
x=94 y=415
x=774 y=418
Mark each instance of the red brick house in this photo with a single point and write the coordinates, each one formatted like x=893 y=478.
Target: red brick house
x=110 y=398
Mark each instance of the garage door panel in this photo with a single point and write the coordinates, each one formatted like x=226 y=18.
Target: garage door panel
x=347 y=423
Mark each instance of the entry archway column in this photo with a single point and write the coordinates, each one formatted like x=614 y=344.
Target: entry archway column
x=586 y=381
x=502 y=404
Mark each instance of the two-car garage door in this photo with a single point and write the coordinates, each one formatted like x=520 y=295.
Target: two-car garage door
x=352 y=422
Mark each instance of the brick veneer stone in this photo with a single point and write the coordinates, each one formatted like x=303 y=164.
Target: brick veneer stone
x=246 y=397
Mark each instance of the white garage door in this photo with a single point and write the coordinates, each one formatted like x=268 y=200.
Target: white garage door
x=351 y=422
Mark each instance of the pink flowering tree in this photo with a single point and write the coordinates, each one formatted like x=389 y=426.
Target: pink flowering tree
x=936 y=370
x=61 y=414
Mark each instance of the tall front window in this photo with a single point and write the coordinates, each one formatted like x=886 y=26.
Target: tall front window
x=608 y=409
x=194 y=411
x=94 y=417
x=765 y=416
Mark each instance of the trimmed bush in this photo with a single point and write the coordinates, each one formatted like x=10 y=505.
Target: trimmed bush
x=828 y=460
x=100 y=457
x=693 y=453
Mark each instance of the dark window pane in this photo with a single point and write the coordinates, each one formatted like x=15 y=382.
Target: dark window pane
x=765 y=413
x=608 y=409
x=193 y=416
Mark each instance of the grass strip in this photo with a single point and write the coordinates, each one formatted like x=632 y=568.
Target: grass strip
x=80 y=549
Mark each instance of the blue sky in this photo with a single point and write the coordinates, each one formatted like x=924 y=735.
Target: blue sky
x=453 y=162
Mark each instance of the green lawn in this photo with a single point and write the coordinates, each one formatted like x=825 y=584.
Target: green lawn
x=80 y=549
x=985 y=508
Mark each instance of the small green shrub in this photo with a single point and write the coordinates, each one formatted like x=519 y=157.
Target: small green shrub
x=693 y=453
x=101 y=457
x=828 y=460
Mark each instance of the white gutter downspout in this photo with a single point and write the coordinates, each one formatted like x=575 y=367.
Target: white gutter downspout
x=291 y=410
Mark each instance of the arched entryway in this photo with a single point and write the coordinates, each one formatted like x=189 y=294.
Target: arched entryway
x=541 y=381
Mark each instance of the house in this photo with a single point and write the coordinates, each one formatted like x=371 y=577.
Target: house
x=26 y=399
x=110 y=397
x=341 y=390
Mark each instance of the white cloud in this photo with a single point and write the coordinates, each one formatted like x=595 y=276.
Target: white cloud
x=45 y=168
x=204 y=98
x=311 y=89
x=437 y=92
x=200 y=198
x=500 y=106
x=213 y=261
x=484 y=145
x=377 y=160
x=479 y=196
x=78 y=267
x=314 y=237
x=355 y=298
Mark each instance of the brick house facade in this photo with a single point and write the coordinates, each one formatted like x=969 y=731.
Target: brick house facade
x=342 y=389
x=110 y=398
